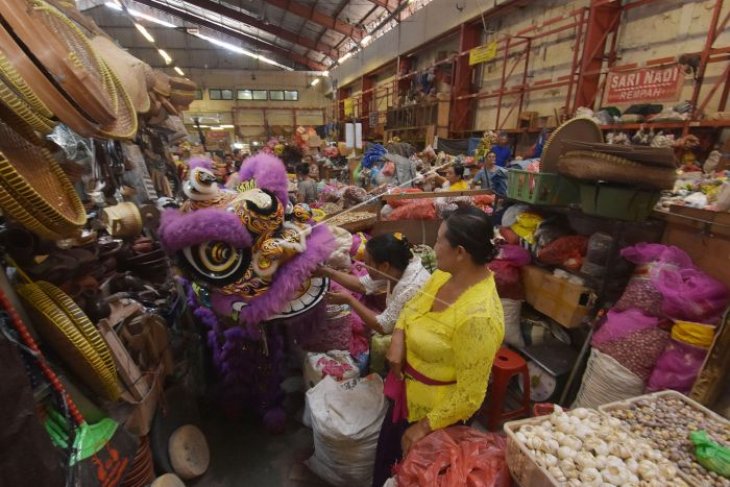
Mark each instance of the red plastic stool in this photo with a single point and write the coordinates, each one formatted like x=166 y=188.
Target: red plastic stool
x=507 y=364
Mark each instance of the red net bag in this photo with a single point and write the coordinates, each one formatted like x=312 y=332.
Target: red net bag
x=457 y=456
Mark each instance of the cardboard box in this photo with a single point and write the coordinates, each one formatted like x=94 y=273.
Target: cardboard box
x=563 y=301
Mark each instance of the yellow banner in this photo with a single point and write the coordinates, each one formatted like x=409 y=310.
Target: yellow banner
x=483 y=54
x=349 y=107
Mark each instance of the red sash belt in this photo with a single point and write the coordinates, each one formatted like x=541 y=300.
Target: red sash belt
x=395 y=389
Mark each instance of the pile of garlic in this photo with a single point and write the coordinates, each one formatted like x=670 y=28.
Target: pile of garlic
x=585 y=448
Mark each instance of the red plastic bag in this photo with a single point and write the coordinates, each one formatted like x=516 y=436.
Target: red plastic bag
x=508 y=280
x=514 y=254
x=417 y=210
x=565 y=251
x=457 y=456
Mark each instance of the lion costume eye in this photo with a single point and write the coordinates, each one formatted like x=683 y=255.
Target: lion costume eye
x=217 y=261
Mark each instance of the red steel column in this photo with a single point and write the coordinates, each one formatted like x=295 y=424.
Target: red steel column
x=469 y=37
x=603 y=19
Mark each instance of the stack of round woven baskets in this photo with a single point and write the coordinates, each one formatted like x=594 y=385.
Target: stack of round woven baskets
x=73 y=336
x=597 y=166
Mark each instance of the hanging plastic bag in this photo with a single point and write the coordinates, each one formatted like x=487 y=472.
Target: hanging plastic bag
x=710 y=454
x=696 y=334
x=457 y=456
x=677 y=368
x=690 y=294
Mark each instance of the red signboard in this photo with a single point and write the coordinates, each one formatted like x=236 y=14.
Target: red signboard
x=643 y=85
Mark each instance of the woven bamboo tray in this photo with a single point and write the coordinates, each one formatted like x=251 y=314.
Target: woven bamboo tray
x=353 y=221
x=597 y=166
x=583 y=129
x=629 y=403
x=525 y=470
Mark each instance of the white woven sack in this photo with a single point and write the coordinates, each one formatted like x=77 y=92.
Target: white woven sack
x=605 y=380
x=346 y=418
x=512 y=328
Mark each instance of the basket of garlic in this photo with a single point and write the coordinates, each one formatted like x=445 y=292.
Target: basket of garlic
x=583 y=448
x=665 y=419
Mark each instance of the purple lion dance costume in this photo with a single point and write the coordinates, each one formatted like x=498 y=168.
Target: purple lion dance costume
x=249 y=262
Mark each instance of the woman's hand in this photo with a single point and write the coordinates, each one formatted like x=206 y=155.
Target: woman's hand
x=413 y=434
x=396 y=355
x=322 y=271
x=338 y=298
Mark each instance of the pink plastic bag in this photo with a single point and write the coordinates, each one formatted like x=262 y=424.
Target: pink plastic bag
x=514 y=255
x=691 y=295
x=457 y=456
x=677 y=368
x=647 y=253
x=620 y=324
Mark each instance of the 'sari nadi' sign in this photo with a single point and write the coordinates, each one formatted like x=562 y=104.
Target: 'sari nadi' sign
x=644 y=85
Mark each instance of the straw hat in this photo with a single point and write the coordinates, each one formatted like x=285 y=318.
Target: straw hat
x=34 y=189
x=129 y=70
x=188 y=450
x=65 y=327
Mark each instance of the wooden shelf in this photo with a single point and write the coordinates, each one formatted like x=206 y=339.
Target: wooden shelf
x=668 y=125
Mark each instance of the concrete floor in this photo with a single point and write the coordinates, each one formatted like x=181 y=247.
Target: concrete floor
x=243 y=454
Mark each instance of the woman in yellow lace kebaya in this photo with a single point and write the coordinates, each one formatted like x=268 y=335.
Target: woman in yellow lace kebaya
x=445 y=341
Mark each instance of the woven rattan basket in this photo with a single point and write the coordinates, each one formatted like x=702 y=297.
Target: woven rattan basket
x=63 y=52
x=125 y=126
x=60 y=332
x=129 y=70
x=33 y=180
x=583 y=129
x=596 y=166
x=80 y=320
x=63 y=108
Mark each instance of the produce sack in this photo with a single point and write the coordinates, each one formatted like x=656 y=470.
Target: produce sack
x=526 y=226
x=620 y=324
x=605 y=380
x=710 y=454
x=508 y=279
x=346 y=418
x=641 y=294
x=639 y=351
x=379 y=345
x=415 y=210
x=565 y=251
x=649 y=253
x=457 y=456
x=395 y=202
x=512 y=327
x=690 y=294
x=337 y=364
x=677 y=368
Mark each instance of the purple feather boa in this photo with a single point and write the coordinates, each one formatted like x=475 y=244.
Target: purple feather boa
x=269 y=173
x=180 y=230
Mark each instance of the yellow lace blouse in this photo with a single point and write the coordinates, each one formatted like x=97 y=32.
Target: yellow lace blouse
x=456 y=344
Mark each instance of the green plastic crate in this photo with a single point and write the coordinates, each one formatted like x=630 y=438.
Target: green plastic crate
x=541 y=188
x=619 y=202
